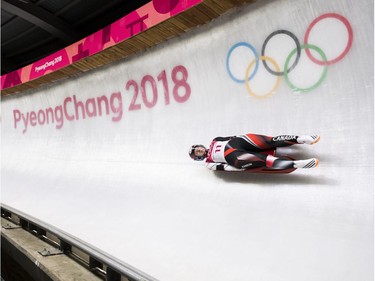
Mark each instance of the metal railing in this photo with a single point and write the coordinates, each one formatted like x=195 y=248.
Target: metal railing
x=94 y=259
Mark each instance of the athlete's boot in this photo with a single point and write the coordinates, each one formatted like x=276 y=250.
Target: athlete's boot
x=308 y=163
x=308 y=139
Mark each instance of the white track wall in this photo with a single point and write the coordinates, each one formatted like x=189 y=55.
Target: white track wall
x=124 y=183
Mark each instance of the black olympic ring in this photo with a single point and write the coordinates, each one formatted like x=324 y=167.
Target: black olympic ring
x=295 y=39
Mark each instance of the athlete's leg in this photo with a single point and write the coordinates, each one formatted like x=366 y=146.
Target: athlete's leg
x=255 y=142
x=248 y=160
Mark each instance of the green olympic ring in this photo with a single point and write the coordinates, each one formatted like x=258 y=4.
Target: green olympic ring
x=322 y=77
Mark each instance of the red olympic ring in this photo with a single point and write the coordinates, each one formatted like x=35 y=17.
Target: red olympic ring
x=348 y=46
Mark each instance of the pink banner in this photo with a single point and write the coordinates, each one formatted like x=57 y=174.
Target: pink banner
x=134 y=23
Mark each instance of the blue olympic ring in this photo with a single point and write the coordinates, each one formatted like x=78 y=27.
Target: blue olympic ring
x=245 y=44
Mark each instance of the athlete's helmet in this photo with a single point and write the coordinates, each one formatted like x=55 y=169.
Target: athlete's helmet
x=192 y=152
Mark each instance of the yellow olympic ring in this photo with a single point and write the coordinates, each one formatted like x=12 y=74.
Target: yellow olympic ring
x=277 y=68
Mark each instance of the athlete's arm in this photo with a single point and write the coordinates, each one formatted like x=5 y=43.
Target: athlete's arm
x=222 y=167
x=223 y=138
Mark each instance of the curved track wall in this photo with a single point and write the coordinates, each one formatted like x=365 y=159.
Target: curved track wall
x=104 y=156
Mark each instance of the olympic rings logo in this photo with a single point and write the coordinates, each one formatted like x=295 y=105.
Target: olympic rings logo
x=292 y=59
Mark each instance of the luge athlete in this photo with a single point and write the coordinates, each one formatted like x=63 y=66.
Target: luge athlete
x=249 y=151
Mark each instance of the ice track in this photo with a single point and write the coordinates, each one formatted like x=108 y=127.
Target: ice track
x=123 y=182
